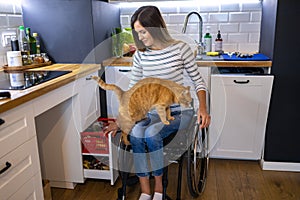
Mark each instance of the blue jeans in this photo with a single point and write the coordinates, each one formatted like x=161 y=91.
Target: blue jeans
x=147 y=136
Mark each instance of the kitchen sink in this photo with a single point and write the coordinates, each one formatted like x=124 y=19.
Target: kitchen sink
x=31 y=78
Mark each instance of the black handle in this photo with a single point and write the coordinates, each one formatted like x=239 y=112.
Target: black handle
x=5 y=95
x=2 y=121
x=241 y=82
x=124 y=70
x=8 y=165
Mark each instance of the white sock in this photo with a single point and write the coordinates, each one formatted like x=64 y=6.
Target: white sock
x=157 y=196
x=145 y=196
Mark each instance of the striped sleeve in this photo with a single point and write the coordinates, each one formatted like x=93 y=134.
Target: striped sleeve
x=137 y=69
x=191 y=67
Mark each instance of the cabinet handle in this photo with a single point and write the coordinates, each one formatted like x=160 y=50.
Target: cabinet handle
x=241 y=82
x=8 y=165
x=2 y=121
x=124 y=70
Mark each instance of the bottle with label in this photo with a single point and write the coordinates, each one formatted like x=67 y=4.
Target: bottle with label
x=14 y=43
x=32 y=41
x=38 y=44
x=24 y=46
x=219 y=43
x=207 y=41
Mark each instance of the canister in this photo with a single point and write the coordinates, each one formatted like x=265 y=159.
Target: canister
x=14 y=58
x=16 y=79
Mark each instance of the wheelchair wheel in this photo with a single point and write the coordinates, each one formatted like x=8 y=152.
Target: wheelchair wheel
x=197 y=162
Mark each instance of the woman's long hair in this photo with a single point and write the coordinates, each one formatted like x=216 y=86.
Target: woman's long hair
x=151 y=19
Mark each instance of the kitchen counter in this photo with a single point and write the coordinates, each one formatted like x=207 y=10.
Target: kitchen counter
x=210 y=62
x=21 y=96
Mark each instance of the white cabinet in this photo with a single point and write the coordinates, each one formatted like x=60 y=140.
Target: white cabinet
x=20 y=176
x=205 y=72
x=59 y=127
x=121 y=77
x=239 y=109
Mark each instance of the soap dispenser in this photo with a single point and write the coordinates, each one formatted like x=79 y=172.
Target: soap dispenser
x=207 y=41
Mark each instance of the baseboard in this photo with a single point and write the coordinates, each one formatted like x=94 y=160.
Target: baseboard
x=62 y=184
x=280 y=166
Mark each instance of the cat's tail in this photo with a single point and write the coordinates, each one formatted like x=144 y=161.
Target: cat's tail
x=106 y=86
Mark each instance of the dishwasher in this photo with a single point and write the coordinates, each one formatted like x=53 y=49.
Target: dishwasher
x=239 y=107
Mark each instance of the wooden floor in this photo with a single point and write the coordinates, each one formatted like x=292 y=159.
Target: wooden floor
x=227 y=180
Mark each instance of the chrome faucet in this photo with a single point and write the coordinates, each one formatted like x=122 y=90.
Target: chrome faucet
x=199 y=43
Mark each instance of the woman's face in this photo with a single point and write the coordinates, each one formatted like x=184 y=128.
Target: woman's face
x=143 y=34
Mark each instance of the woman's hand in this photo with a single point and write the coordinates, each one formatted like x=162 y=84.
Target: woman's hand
x=203 y=117
x=112 y=128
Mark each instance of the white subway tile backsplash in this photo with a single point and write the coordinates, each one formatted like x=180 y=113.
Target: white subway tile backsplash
x=238 y=37
x=178 y=18
x=168 y=9
x=210 y=8
x=187 y=9
x=230 y=47
x=234 y=7
x=229 y=27
x=254 y=37
x=15 y=20
x=3 y=21
x=218 y=17
x=239 y=17
x=249 y=27
x=251 y=6
x=248 y=47
x=125 y=20
x=255 y=17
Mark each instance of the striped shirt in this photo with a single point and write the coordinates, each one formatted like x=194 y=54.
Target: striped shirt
x=168 y=63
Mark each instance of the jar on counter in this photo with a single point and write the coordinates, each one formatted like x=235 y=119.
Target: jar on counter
x=16 y=79
x=14 y=58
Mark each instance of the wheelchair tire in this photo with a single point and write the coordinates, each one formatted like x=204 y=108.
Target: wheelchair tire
x=197 y=163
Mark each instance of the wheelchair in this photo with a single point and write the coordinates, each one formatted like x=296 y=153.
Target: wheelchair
x=191 y=146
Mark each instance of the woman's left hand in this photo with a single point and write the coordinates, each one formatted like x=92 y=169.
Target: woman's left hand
x=204 y=118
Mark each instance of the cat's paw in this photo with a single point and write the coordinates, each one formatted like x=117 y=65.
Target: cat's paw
x=166 y=122
x=171 y=118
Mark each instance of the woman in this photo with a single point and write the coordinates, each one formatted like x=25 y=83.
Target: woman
x=159 y=55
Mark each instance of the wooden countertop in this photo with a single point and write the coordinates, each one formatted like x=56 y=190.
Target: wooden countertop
x=127 y=61
x=21 y=96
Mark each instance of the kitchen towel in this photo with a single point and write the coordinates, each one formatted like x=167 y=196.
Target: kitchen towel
x=255 y=57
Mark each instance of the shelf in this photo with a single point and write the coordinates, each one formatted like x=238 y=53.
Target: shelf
x=95 y=154
x=95 y=173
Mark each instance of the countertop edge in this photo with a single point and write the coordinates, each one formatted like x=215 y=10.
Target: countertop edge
x=127 y=61
x=7 y=104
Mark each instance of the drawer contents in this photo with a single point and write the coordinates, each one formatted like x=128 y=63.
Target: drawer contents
x=92 y=162
x=94 y=140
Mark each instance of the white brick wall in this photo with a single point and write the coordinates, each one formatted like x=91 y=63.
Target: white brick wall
x=10 y=20
x=239 y=23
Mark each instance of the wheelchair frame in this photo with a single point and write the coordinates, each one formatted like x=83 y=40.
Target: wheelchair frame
x=196 y=155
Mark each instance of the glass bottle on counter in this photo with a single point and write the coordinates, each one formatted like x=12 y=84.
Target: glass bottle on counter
x=24 y=46
x=218 y=43
x=207 y=41
x=31 y=41
x=38 y=44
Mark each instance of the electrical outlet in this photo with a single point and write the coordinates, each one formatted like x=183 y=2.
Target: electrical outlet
x=6 y=37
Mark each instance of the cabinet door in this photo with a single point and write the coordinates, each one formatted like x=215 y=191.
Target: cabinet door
x=18 y=127
x=239 y=106
x=88 y=100
x=121 y=77
x=25 y=165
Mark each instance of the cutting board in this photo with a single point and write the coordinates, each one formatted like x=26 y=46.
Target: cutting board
x=255 y=57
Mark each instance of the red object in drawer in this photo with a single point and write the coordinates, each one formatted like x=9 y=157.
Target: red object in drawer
x=94 y=142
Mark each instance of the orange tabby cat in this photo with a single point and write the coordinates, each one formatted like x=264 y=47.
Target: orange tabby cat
x=148 y=93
